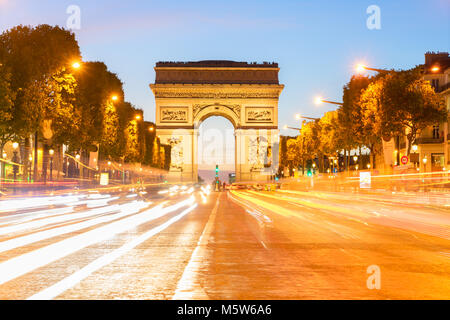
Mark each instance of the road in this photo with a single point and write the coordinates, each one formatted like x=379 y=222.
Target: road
x=186 y=243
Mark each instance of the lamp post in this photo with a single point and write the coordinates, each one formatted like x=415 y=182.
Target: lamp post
x=30 y=162
x=3 y=166
x=51 y=152
x=319 y=100
x=78 y=166
x=14 y=159
x=360 y=68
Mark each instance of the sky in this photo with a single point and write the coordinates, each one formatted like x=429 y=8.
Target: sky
x=316 y=43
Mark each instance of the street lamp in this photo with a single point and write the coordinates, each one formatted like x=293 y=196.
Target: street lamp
x=299 y=117
x=151 y=129
x=319 y=100
x=435 y=69
x=51 y=152
x=138 y=117
x=114 y=98
x=76 y=65
x=360 y=68
x=414 y=148
x=15 y=145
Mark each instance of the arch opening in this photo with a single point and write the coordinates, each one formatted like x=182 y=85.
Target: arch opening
x=216 y=146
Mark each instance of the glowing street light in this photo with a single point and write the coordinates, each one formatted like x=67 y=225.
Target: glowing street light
x=319 y=100
x=51 y=152
x=360 y=68
x=77 y=157
x=435 y=69
x=424 y=160
x=76 y=65
x=355 y=158
x=414 y=148
x=15 y=145
x=138 y=117
x=114 y=98
x=151 y=129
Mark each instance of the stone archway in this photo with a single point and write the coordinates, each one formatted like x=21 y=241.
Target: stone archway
x=187 y=93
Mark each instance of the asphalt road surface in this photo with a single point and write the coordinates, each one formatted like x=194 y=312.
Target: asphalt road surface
x=190 y=243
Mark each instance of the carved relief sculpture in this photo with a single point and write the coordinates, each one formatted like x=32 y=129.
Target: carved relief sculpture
x=176 y=154
x=174 y=115
x=259 y=115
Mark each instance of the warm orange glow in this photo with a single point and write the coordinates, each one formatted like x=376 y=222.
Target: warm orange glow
x=114 y=98
x=435 y=69
x=360 y=68
x=318 y=100
x=138 y=117
x=76 y=65
x=151 y=129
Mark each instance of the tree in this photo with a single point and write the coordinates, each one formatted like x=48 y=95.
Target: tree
x=373 y=117
x=95 y=88
x=409 y=102
x=35 y=56
x=6 y=108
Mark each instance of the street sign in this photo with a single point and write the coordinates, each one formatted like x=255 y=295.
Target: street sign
x=104 y=179
x=365 y=179
x=404 y=160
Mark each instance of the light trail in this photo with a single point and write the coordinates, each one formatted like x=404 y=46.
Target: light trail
x=58 y=219
x=38 y=202
x=67 y=283
x=125 y=210
x=34 y=215
x=30 y=261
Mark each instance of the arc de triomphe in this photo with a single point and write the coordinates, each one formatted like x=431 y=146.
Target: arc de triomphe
x=246 y=94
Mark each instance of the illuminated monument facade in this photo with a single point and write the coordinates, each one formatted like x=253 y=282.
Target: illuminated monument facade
x=246 y=94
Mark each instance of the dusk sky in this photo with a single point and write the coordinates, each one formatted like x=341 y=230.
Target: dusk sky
x=316 y=43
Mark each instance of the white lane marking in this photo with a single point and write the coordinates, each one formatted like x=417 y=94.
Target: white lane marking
x=67 y=283
x=125 y=210
x=30 y=261
x=186 y=288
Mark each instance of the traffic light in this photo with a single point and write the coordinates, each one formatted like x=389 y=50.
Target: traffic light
x=217 y=170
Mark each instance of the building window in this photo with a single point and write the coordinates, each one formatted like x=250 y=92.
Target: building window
x=435 y=83
x=437 y=161
x=435 y=132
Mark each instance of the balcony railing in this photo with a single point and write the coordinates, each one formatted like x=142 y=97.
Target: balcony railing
x=429 y=140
